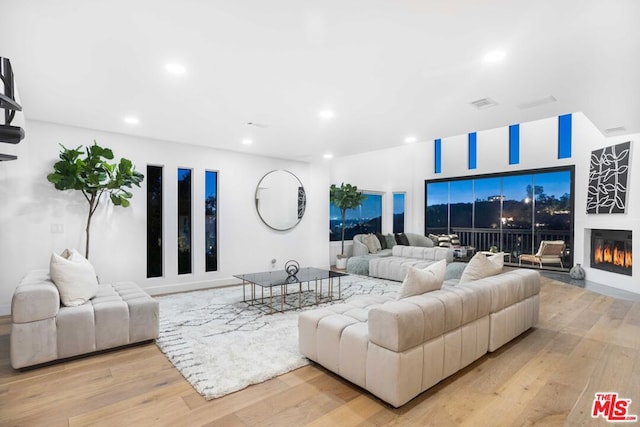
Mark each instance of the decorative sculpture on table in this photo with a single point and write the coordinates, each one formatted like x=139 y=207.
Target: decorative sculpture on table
x=292 y=267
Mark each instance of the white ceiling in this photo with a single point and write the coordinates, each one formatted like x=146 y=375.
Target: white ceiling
x=388 y=69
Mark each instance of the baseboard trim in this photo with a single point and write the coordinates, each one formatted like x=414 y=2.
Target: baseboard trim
x=5 y=309
x=191 y=286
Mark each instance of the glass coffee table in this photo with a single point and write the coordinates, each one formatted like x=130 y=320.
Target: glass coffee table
x=280 y=280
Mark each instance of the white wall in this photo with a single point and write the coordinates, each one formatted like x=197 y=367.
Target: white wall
x=627 y=221
x=30 y=205
x=385 y=171
x=406 y=167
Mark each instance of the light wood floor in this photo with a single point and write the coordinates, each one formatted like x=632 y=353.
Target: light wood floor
x=584 y=343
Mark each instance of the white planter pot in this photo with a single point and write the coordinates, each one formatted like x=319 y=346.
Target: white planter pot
x=341 y=263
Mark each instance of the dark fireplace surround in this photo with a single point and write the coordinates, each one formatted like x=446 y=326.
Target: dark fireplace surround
x=612 y=250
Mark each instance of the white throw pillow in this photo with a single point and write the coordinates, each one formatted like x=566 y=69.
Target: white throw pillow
x=482 y=266
x=372 y=242
x=74 y=277
x=419 y=281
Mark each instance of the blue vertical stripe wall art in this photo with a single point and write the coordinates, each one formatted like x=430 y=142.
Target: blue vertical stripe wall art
x=514 y=144
x=564 y=136
x=472 y=150
x=438 y=155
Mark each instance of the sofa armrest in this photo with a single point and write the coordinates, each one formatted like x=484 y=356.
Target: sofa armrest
x=359 y=248
x=396 y=326
x=35 y=301
x=419 y=240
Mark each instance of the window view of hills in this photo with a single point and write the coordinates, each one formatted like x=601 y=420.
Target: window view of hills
x=365 y=219
x=512 y=212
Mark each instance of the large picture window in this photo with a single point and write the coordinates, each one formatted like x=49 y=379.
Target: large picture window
x=513 y=211
x=184 y=221
x=211 y=220
x=367 y=218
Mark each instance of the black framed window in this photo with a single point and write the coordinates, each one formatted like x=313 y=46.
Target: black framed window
x=511 y=211
x=211 y=220
x=367 y=218
x=184 y=221
x=154 y=221
x=398 y=212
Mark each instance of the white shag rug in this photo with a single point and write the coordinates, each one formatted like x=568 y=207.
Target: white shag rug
x=221 y=344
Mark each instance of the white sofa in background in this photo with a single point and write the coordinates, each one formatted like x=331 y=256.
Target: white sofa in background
x=360 y=248
x=395 y=267
x=43 y=329
x=398 y=349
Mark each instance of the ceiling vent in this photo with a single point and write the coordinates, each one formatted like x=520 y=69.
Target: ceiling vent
x=537 y=102
x=483 y=103
x=616 y=130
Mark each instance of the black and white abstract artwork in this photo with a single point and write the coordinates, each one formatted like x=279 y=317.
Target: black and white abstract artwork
x=608 y=179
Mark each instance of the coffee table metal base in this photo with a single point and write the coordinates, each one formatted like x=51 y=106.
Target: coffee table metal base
x=315 y=283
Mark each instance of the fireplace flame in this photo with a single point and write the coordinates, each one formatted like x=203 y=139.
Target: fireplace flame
x=612 y=251
x=607 y=254
x=597 y=254
x=618 y=257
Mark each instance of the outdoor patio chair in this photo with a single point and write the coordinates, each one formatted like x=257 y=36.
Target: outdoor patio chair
x=550 y=252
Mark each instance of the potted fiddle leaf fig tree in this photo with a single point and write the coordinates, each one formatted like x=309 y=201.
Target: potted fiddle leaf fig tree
x=344 y=197
x=94 y=175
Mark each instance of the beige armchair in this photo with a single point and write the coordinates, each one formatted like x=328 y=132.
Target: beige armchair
x=550 y=252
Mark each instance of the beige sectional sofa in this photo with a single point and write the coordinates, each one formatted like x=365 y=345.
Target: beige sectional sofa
x=395 y=267
x=43 y=329
x=398 y=349
x=361 y=249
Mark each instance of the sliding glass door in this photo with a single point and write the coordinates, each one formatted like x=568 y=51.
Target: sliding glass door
x=512 y=212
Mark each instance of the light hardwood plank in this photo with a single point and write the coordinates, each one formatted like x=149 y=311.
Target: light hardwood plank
x=584 y=343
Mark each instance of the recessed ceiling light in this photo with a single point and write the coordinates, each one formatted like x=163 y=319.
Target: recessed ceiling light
x=328 y=156
x=495 y=56
x=132 y=120
x=325 y=114
x=410 y=139
x=247 y=141
x=176 y=69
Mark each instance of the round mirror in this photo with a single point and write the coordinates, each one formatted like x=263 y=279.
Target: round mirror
x=280 y=200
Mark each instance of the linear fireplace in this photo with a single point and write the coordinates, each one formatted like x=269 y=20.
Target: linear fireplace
x=611 y=250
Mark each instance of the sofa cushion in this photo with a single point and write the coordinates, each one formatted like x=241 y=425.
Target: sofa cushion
x=382 y=240
x=418 y=240
x=74 y=277
x=358 y=265
x=396 y=266
x=482 y=266
x=419 y=281
x=372 y=243
x=433 y=254
x=402 y=239
x=454 y=270
x=391 y=241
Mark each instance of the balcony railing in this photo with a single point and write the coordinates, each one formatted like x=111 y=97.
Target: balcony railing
x=514 y=242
